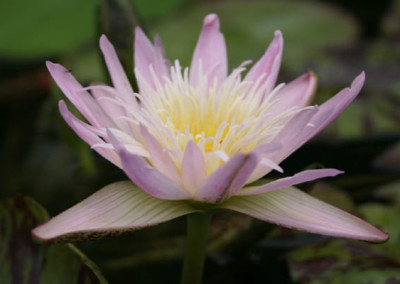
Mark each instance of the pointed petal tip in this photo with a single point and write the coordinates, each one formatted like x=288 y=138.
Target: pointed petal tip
x=358 y=82
x=104 y=42
x=139 y=33
x=50 y=64
x=379 y=236
x=55 y=67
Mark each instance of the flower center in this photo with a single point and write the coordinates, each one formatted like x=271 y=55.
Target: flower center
x=220 y=117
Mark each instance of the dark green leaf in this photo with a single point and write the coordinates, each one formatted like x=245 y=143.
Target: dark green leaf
x=23 y=261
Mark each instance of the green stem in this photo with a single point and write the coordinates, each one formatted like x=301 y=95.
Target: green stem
x=196 y=243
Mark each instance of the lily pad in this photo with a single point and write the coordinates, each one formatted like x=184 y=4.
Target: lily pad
x=23 y=261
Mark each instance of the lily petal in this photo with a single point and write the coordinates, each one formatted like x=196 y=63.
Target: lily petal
x=210 y=52
x=296 y=93
x=81 y=99
x=338 y=103
x=292 y=208
x=145 y=176
x=149 y=57
x=111 y=107
x=117 y=73
x=160 y=158
x=228 y=178
x=193 y=167
x=326 y=113
x=88 y=133
x=285 y=138
x=301 y=177
x=269 y=64
x=117 y=208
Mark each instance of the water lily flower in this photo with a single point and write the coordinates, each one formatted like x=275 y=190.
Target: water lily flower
x=198 y=137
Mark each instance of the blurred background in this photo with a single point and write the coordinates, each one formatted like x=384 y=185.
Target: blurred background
x=45 y=163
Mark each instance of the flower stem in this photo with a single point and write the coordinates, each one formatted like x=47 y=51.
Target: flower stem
x=196 y=242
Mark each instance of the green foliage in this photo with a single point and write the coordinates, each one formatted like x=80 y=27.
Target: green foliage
x=249 y=27
x=345 y=261
x=24 y=261
x=45 y=27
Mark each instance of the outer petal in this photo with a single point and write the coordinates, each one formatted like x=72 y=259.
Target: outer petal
x=148 y=56
x=338 y=104
x=296 y=93
x=298 y=178
x=269 y=65
x=81 y=99
x=117 y=208
x=292 y=208
x=193 y=167
x=146 y=177
x=326 y=113
x=88 y=133
x=229 y=178
x=210 y=51
x=117 y=73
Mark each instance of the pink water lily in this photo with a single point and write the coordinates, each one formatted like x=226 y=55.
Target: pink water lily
x=199 y=137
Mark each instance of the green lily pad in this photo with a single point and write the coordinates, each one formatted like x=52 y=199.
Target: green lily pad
x=23 y=261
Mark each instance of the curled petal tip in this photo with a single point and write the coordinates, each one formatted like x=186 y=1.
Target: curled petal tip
x=62 y=105
x=211 y=19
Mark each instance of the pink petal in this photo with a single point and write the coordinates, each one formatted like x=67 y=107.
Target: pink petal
x=227 y=178
x=338 y=103
x=117 y=208
x=148 y=56
x=287 y=137
x=326 y=113
x=296 y=93
x=110 y=106
x=292 y=208
x=117 y=73
x=269 y=64
x=298 y=178
x=211 y=52
x=160 y=158
x=146 y=177
x=81 y=99
x=88 y=133
x=193 y=167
